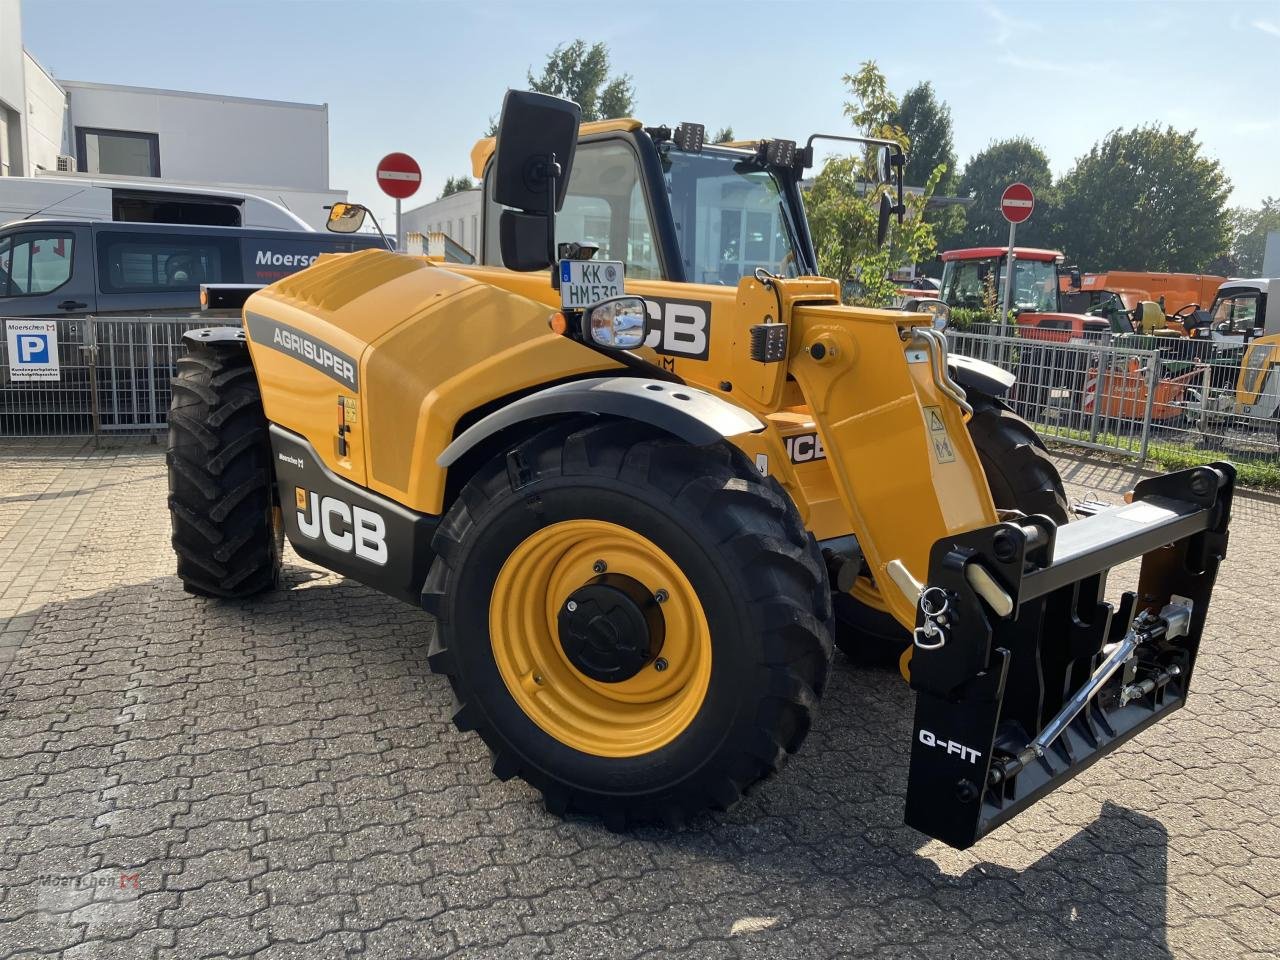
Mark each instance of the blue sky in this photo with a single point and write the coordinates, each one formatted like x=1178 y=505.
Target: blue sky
x=424 y=77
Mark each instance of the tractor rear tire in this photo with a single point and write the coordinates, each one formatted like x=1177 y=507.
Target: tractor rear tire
x=1021 y=477
x=713 y=550
x=227 y=529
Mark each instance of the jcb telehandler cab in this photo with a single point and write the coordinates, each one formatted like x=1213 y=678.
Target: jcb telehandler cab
x=629 y=461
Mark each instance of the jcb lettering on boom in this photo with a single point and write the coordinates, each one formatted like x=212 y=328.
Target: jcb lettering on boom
x=804 y=447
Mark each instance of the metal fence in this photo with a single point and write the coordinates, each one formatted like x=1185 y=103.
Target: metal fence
x=1136 y=396
x=111 y=376
x=1150 y=398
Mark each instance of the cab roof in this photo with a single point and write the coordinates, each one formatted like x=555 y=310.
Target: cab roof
x=987 y=253
x=483 y=149
x=1259 y=284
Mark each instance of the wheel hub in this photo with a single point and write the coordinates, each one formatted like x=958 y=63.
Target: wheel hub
x=611 y=628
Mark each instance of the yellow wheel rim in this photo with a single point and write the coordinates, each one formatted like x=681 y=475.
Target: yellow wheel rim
x=623 y=719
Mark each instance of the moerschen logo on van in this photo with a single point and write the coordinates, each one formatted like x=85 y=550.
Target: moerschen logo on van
x=315 y=353
x=267 y=258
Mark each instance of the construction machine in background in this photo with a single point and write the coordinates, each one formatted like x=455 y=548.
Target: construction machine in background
x=643 y=467
x=1177 y=295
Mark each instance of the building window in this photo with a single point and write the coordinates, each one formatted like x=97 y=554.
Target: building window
x=117 y=151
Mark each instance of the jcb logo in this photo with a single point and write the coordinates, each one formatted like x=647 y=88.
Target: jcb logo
x=679 y=327
x=804 y=447
x=342 y=526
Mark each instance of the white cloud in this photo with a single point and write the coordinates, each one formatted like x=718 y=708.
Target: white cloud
x=1266 y=26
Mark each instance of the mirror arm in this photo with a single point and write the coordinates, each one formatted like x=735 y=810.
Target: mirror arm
x=553 y=176
x=377 y=226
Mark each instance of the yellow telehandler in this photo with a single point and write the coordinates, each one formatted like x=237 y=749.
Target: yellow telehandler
x=644 y=467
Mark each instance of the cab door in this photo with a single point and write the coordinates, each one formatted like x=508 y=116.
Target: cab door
x=46 y=271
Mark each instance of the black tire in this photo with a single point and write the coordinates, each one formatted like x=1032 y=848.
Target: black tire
x=756 y=572
x=1019 y=470
x=227 y=532
x=1021 y=477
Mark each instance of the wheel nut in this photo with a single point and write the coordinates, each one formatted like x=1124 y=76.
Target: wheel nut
x=660 y=664
x=599 y=566
x=537 y=678
x=571 y=606
x=661 y=596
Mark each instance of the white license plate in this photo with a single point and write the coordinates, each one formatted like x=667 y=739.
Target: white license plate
x=584 y=282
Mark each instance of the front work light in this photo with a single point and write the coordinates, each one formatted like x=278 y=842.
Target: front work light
x=619 y=323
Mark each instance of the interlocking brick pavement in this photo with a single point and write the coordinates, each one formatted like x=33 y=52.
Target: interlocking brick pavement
x=279 y=778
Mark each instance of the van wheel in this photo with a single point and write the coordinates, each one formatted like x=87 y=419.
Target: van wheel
x=1021 y=477
x=228 y=532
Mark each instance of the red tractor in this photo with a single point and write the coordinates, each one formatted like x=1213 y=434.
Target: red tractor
x=974 y=279
x=1053 y=382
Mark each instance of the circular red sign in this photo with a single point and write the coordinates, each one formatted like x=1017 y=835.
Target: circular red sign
x=399 y=175
x=1017 y=202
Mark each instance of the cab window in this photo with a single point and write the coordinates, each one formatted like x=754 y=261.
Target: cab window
x=604 y=206
x=729 y=216
x=35 y=263
x=165 y=263
x=1239 y=313
x=967 y=283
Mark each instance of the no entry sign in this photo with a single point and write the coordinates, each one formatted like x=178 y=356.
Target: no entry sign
x=1017 y=202
x=399 y=175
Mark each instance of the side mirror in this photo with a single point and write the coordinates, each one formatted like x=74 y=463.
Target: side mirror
x=346 y=218
x=936 y=308
x=1075 y=279
x=883 y=172
x=886 y=211
x=537 y=139
x=619 y=323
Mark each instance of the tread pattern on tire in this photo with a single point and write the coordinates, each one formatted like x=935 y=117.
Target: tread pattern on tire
x=755 y=526
x=220 y=478
x=1014 y=458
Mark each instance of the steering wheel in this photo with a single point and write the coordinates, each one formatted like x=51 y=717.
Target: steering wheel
x=1184 y=314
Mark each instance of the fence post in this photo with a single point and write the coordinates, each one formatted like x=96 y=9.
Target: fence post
x=1102 y=370
x=91 y=358
x=1205 y=387
x=1153 y=384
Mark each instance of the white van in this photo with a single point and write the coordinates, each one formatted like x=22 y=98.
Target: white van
x=138 y=201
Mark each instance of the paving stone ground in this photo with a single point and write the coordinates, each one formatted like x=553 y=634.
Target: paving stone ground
x=279 y=778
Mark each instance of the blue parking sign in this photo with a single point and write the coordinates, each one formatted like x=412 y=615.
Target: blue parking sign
x=33 y=349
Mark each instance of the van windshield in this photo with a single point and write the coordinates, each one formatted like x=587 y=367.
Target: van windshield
x=730 y=216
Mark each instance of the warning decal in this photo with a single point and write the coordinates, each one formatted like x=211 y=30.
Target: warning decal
x=943 y=451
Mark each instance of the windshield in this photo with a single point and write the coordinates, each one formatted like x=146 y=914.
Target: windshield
x=729 y=217
x=1236 y=313
x=973 y=285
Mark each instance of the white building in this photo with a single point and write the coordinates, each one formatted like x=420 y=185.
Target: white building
x=457 y=216
x=52 y=126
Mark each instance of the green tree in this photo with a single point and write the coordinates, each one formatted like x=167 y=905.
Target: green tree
x=580 y=73
x=926 y=122
x=1145 y=199
x=988 y=172
x=723 y=135
x=844 y=201
x=454 y=185
x=1249 y=229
